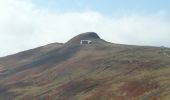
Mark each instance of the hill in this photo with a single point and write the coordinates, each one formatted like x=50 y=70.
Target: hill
x=95 y=70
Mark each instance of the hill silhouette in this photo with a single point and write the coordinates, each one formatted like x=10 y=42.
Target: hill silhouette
x=96 y=71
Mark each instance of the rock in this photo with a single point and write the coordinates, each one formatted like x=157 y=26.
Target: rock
x=83 y=36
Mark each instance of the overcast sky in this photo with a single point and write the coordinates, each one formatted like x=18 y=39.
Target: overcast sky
x=26 y=24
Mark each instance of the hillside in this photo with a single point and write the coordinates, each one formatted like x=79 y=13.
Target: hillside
x=96 y=71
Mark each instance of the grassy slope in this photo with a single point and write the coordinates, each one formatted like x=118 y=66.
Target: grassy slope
x=93 y=72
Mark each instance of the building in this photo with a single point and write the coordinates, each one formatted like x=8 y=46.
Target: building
x=85 y=42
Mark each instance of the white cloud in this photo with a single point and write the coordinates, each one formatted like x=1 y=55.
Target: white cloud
x=24 y=26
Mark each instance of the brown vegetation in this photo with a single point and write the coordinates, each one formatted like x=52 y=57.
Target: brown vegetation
x=97 y=71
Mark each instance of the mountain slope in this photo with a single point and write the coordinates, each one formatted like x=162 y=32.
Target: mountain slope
x=96 y=71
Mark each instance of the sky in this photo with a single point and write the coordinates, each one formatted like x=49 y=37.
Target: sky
x=26 y=24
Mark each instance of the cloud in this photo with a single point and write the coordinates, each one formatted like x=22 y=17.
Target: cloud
x=23 y=26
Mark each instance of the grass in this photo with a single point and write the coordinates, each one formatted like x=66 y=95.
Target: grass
x=114 y=73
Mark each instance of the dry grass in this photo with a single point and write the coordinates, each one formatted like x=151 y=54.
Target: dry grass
x=93 y=72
